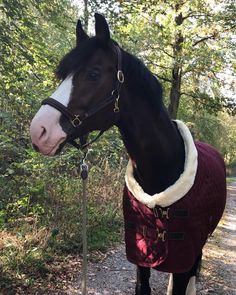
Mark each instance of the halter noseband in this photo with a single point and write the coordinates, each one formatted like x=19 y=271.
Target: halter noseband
x=77 y=120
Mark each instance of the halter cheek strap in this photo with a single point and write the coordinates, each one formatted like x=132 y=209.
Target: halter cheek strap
x=77 y=120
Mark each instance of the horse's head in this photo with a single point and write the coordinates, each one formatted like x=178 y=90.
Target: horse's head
x=87 y=99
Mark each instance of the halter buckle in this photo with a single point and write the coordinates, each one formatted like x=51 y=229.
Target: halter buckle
x=76 y=121
x=120 y=77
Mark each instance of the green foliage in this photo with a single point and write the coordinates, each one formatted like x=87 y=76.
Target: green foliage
x=188 y=45
x=40 y=203
x=219 y=131
x=40 y=208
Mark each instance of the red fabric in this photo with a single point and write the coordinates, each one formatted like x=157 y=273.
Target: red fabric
x=205 y=203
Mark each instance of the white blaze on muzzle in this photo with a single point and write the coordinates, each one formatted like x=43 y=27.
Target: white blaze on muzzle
x=45 y=130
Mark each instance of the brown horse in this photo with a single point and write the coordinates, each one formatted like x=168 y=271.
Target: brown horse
x=175 y=188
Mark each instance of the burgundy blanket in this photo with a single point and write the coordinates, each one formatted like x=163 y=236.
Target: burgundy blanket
x=170 y=239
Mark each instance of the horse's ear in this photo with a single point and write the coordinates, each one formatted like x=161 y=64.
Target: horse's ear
x=101 y=27
x=80 y=33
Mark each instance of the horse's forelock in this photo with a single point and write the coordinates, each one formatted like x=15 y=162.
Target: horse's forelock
x=78 y=56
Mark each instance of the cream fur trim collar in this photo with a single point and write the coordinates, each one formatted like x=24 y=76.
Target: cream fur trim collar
x=180 y=187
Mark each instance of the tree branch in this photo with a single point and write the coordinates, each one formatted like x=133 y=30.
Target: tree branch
x=194 y=97
x=204 y=39
x=188 y=94
x=162 y=78
x=168 y=54
x=159 y=66
x=195 y=14
x=157 y=48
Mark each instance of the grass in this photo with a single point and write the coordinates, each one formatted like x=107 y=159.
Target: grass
x=32 y=243
x=230 y=179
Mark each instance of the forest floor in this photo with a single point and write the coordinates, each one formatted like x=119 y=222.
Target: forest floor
x=112 y=274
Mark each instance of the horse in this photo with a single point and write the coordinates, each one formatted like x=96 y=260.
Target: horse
x=175 y=188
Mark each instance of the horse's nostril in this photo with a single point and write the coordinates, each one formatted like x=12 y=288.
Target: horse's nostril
x=43 y=131
x=35 y=147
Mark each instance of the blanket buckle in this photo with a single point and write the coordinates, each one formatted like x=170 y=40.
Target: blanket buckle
x=161 y=235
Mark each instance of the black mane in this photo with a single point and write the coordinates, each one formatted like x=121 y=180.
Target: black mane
x=141 y=80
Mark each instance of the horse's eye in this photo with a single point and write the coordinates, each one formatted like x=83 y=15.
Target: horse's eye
x=92 y=76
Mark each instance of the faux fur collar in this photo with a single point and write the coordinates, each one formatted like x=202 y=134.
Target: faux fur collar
x=180 y=187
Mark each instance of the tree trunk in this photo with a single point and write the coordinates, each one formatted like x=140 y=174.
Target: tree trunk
x=86 y=15
x=175 y=91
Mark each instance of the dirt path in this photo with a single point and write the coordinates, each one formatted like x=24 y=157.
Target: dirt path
x=115 y=276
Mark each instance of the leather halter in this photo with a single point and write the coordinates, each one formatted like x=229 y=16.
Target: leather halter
x=77 y=120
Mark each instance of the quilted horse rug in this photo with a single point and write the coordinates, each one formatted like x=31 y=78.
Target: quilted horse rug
x=168 y=230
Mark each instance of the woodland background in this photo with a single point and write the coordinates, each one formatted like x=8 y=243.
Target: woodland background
x=189 y=45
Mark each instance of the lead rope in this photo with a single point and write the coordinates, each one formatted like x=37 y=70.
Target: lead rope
x=84 y=176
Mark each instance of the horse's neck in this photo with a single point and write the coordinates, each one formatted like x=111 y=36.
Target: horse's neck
x=154 y=144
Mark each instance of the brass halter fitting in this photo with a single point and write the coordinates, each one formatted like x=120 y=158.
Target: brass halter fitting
x=120 y=77
x=116 y=108
x=116 y=92
x=117 y=98
x=76 y=121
